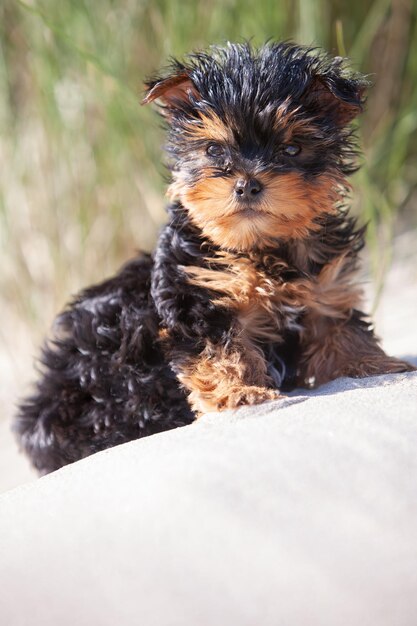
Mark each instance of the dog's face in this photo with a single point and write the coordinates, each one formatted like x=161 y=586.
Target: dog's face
x=259 y=140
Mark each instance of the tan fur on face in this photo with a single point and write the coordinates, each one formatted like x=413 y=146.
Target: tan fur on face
x=293 y=126
x=286 y=209
x=209 y=127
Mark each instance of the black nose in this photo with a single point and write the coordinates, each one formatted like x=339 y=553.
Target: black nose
x=247 y=188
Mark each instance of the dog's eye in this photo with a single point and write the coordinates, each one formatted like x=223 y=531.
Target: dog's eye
x=291 y=150
x=215 y=150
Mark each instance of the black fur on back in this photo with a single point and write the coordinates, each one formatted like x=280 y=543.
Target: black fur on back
x=104 y=377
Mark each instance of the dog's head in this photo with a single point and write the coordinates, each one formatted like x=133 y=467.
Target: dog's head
x=260 y=140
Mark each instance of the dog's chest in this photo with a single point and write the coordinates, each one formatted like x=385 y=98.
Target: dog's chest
x=264 y=304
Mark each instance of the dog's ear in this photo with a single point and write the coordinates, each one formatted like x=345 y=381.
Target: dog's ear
x=335 y=97
x=173 y=91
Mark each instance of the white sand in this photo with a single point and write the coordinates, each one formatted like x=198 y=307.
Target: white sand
x=302 y=513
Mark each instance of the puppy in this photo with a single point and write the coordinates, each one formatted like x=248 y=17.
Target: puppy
x=251 y=289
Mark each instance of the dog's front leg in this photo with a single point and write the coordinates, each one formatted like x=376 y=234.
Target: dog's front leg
x=335 y=347
x=337 y=339
x=224 y=375
x=209 y=351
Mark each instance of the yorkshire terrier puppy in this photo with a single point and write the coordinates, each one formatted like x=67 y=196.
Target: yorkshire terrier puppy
x=251 y=289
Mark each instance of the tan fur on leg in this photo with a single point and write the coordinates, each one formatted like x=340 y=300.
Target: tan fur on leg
x=225 y=378
x=335 y=347
x=335 y=340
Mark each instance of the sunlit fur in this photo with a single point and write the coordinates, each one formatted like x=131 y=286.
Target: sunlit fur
x=248 y=293
x=288 y=208
x=220 y=371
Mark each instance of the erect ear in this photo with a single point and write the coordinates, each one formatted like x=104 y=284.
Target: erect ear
x=173 y=91
x=335 y=97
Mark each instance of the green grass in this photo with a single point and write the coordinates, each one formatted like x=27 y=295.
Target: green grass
x=81 y=176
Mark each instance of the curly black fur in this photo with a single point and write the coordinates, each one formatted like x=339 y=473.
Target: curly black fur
x=109 y=375
x=105 y=379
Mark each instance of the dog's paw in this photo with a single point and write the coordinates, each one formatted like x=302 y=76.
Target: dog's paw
x=379 y=366
x=248 y=395
x=238 y=396
x=372 y=365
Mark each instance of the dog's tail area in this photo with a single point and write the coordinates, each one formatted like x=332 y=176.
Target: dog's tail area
x=35 y=428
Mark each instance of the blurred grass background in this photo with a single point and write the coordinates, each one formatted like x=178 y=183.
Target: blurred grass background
x=81 y=185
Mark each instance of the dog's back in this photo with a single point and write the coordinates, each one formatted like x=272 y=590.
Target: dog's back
x=105 y=380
